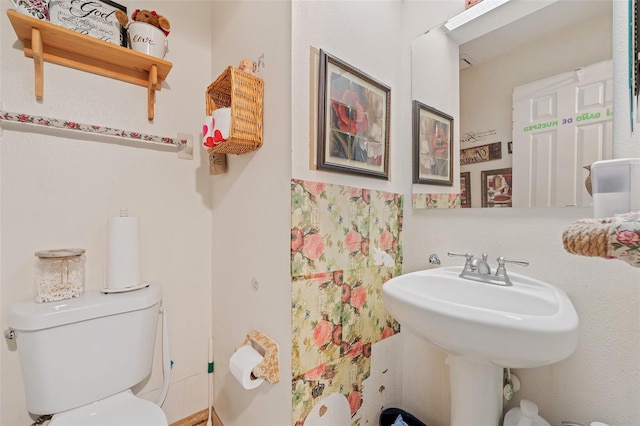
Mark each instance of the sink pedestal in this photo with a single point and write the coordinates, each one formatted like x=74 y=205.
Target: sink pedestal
x=476 y=392
x=525 y=325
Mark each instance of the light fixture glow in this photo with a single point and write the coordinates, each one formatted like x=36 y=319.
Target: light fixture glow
x=472 y=13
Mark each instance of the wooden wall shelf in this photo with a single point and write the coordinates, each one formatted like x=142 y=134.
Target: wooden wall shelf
x=46 y=42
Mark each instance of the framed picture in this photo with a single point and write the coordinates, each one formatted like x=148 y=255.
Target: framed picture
x=478 y=154
x=465 y=190
x=432 y=146
x=95 y=18
x=353 y=120
x=496 y=188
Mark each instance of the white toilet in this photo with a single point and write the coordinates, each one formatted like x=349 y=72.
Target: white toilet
x=80 y=357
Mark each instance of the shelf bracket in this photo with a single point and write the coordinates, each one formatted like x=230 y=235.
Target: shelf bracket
x=151 y=89
x=36 y=46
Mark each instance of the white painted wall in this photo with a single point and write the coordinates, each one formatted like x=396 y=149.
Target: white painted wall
x=366 y=37
x=252 y=216
x=255 y=195
x=58 y=191
x=434 y=82
x=601 y=380
x=376 y=38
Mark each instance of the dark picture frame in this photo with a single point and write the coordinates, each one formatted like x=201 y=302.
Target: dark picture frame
x=95 y=18
x=432 y=146
x=353 y=120
x=482 y=153
x=465 y=190
x=497 y=187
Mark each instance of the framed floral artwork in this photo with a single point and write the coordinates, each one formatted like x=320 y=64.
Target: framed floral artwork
x=465 y=190
x=353 y=120
x=432 y=146
x=497 y=188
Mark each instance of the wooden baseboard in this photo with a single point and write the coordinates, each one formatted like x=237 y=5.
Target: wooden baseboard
x=199 y=419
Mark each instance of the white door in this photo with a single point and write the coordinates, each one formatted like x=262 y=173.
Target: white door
x=561 y=124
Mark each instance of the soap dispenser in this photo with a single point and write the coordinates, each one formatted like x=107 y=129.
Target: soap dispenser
x=525 y=415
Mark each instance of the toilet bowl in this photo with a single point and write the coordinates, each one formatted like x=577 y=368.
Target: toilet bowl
x=123 y=409
x=81 y=357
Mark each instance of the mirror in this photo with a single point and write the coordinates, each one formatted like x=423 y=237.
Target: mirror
x=484 y=60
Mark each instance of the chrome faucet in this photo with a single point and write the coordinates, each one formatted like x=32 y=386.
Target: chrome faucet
x=480 y=265
x=478 y=269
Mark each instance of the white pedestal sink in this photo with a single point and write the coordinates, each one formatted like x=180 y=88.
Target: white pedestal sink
x=484 y=328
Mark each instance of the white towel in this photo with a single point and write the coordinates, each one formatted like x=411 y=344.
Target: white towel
x=216 y=127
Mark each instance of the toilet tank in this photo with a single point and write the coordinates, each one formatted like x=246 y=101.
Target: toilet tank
x=77 y=351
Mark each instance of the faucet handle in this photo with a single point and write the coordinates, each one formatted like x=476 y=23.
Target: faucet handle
x=502 y=271
x=501 y=261
x=468 y=256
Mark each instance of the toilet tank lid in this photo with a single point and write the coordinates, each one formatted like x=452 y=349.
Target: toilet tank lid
x=30 y=315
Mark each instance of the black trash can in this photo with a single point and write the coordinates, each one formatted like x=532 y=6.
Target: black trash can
x=389 y=416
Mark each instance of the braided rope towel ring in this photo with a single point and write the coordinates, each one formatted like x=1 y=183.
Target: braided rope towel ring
x=588 y=237
x=616 y=237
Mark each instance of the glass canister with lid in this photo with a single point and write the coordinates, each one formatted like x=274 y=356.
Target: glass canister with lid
x=59 y=274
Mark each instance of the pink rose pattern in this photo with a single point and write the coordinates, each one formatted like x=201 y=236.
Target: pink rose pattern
x=358 y=296
x=322 y=333
x=313 y=246
x=337 y=308
x=624 y=240
x=337 y=214
x=352 y=241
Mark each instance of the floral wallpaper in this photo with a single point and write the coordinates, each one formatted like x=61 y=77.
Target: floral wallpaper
x=436 y=201
x=345 y=243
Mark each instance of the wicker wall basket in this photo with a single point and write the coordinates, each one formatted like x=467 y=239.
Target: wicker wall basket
x=243 y=93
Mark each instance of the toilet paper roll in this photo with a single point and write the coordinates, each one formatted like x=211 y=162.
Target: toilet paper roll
x=242 y=363
x=123 y=252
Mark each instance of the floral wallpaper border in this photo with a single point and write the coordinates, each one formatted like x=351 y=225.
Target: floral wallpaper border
x=436 y=201
x=56 y=123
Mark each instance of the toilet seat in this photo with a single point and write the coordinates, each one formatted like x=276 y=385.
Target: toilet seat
x=122 y=409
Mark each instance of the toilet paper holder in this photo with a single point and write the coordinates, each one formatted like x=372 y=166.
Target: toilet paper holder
x=269 y=368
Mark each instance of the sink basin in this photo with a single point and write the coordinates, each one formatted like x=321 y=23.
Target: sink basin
x=483 y=328
x=529 y=324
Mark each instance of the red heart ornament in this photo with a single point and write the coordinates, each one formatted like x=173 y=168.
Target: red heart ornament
x=217 y=136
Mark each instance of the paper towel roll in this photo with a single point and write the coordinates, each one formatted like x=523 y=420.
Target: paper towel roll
x=242 y=363
x=123 y=251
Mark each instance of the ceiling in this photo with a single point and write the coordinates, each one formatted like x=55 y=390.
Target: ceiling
x=546 y=21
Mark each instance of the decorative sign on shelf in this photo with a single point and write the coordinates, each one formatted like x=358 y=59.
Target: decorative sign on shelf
x=479 y=154
x=93 y=18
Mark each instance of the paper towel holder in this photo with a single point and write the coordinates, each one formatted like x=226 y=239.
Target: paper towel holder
x=269 y=368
